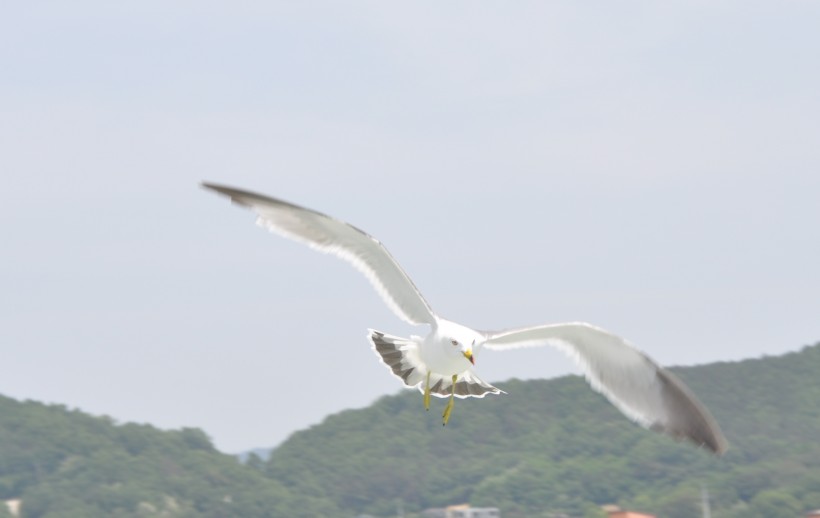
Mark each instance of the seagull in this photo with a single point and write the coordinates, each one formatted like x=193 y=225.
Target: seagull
x=441 y=364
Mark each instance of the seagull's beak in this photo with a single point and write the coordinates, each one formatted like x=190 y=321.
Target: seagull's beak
x=469 y=355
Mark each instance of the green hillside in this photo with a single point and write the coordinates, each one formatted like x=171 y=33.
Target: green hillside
x=555 y=446
x=548 y=447
x=67 y=464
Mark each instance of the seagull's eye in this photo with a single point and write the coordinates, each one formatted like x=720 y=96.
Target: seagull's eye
x=454 y=342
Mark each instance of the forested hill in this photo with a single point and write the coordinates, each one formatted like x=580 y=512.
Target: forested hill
x=547 y=447
x=66 y=464
x=556 y=446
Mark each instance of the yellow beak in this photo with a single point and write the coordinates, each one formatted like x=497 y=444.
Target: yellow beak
x=469 y=355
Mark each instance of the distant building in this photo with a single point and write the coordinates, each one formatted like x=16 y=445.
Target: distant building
x=475 y=512
x=616 y=512
x=13 y=506
x=629 y=514
x=462 y=511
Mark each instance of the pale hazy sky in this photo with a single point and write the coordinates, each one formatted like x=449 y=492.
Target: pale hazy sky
x=653 y=168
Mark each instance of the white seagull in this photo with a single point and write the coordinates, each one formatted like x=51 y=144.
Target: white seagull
x=441 y=364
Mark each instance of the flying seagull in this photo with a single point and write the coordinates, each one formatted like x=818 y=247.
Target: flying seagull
x=441 y=364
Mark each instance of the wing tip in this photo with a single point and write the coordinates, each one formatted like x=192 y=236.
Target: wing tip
x=721 y=448
x=237 y=196
x=693 y=420
x=716 y=442
x=215 y=187
x=713 y=442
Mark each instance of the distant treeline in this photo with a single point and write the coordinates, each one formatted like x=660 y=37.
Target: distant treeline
x=548 y=447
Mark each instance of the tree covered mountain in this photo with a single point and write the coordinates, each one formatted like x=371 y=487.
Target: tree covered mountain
x=548 y=447
x=554 y=446
x=67 y=464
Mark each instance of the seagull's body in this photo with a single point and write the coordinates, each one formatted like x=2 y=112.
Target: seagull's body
x=441 y=363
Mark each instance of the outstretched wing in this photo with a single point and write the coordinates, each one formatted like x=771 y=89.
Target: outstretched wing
x=331 y=236
x=650 y=395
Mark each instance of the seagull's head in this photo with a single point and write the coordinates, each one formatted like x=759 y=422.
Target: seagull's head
x=465 y=350
x=460 y=340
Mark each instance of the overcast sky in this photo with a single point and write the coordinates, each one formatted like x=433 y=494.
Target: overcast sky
x=652 y=168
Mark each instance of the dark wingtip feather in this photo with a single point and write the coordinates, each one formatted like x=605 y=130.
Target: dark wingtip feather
x=689 y=419
x=250 y=198
x=237 y=196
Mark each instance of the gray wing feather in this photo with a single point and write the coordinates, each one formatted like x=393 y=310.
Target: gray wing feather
x=332 y=236
x=633 y=382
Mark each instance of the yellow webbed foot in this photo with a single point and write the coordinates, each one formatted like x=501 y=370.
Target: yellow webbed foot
x=449 y=408
x=446 y=415
x=427 y=392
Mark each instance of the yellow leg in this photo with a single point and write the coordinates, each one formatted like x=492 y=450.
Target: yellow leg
x=427 y=392
x=449 y=407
